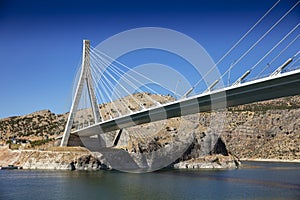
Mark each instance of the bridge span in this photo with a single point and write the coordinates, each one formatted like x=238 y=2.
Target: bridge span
x=280 y=85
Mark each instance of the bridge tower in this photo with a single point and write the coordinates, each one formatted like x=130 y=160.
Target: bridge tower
x=84 y=78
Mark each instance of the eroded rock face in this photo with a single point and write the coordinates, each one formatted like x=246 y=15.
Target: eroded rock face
x=88 y=162
x=62 y=159
x=272 y=134
x=253 y=131
x=216 y=161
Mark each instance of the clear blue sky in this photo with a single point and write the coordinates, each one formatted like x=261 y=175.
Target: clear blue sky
x=41 y=40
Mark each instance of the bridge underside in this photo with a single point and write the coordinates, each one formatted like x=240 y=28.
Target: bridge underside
x=287 y=84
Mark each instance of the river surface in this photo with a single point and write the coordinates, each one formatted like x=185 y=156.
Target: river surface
x=255 y=180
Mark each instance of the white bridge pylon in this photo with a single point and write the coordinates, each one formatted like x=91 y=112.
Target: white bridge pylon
x=84 y=80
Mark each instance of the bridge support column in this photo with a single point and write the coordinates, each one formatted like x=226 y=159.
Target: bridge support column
x=84 y=78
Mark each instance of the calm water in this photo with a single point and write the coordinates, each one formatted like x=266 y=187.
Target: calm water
x=253 y=181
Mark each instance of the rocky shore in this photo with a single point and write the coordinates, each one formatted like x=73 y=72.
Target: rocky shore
x=270 y=160
x=77 y=158
x=70 y=158
x=217 y=161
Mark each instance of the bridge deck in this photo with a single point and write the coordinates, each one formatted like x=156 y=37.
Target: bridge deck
x=285 y=84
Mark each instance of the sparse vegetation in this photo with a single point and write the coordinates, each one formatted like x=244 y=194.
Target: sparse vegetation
x=39 y=142
x=35 y=126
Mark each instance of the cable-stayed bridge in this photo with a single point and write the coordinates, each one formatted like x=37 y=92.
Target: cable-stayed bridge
x=286 y=84
x=99 y=75
x=276 y=85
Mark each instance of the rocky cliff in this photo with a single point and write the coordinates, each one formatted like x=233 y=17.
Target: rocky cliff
x=264 y=130
x=53 y=158
x=271 y=134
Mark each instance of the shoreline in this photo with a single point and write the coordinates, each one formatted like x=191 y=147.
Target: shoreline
x=81 y=159
x=269 y=160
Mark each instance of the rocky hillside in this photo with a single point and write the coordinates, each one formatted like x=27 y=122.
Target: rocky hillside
x=269 y=129
x=35 y=126
x=43 y=126
x=264 y=130
x=268 y=134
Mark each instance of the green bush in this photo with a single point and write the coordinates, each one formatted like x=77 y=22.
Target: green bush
x=39 y=142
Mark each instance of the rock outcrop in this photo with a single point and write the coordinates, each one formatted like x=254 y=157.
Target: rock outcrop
x=57 y=158
x=271 y=134
x=216 y=161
